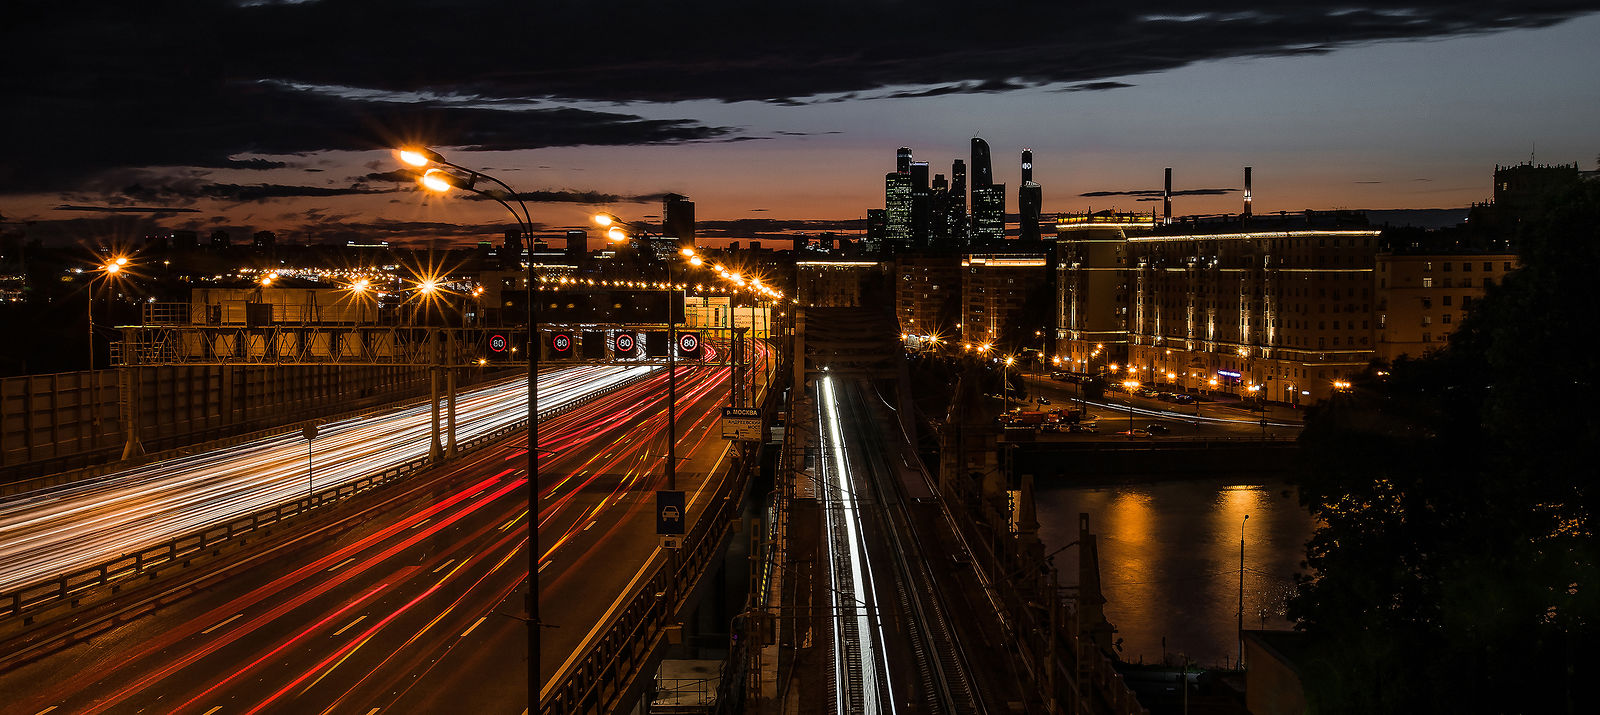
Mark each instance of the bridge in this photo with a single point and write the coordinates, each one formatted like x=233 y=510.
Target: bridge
x=382 y=564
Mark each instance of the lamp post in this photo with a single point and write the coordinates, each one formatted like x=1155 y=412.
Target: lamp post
x=440 y=181
x=109 y=270
x=1130 y=386
x=617 y=233
x=1240 y=623
x=1005 y=382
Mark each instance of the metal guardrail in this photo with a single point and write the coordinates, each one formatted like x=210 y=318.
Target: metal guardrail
x=149 y=561
x=88 y=465
x=594 y=683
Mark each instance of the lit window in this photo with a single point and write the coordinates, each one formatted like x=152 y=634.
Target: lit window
x=1427 y=283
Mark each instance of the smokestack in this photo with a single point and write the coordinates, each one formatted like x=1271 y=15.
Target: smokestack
x=1247 y=192
x=1166 y=200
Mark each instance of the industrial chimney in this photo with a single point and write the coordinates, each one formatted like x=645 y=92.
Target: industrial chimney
x=1166 y=200
x=1247 y=192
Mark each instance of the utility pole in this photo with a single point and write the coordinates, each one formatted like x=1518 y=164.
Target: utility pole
x=1241 y=591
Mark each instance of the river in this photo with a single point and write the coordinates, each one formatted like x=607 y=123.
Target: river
x=1169 y=559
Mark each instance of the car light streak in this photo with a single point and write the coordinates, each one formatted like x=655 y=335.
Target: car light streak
x=49 y=533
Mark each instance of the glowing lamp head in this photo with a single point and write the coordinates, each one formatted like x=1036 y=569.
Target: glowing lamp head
x=616 y=234
x=695 y=261
x=414 y=158
x=436 y=181
x=604 y=219
x=113 y=268
x=428 y=286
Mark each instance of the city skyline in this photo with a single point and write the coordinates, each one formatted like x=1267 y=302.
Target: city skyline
x=1333 y=107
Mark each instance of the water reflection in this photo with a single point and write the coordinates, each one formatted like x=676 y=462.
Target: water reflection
x=1169 y=559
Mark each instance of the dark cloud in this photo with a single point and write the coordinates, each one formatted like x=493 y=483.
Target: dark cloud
x=193 y=84
x=548 y=196
x=807 y=134
x=126 y=209
x=1094 y=86
x=188 y=191
x=1157 y=192
x=774 y=229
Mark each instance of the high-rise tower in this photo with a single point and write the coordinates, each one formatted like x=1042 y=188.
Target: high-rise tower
x=921 y=205
x=897 y=208
x=982 y=174
x=988 y=198
x=1030 y=201
x=677 y=218
x=902 y=160
x=956 y=203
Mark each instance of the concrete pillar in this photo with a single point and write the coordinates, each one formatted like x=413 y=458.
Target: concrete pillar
x=450 y=413
x=128 y=384
x=435 y=450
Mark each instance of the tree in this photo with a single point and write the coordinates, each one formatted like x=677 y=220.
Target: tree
x=1456 y=565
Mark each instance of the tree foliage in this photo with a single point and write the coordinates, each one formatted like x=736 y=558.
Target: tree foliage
x=1455 y=568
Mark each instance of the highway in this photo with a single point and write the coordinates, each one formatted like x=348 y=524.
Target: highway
x=54 y=531
x=414 y=604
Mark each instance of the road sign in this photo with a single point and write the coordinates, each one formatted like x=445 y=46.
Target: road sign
x=741 y=423
x=561 y=342
x=625 y=344
x=497 y=343
x=689 y=343
x=669 y=513
x=309 y=431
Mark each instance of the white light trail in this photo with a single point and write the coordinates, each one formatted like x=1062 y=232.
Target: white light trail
x=51 y=532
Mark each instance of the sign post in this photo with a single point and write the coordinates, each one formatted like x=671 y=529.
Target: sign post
x=741 y=423
x=670 y=518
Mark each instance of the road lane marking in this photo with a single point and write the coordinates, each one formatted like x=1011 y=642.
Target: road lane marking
x=353 y=623
x=370 y=712
x=420 y=523
x=514 y=520
x=219 y=625
x=337 y=566
x=444 y=565
x=213 y=709
x=474 y=626
x=52 y=707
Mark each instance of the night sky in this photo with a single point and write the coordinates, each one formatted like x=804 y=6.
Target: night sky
x=279 y=115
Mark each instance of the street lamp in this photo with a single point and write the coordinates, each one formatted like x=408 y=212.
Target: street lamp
x=110 y=270
x=440 y=181
x=616 y=233
x=1005 y=381
x=1130 y=386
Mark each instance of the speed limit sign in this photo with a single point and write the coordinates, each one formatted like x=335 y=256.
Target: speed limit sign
x=688 y=342
x=561 y=342
x=625 y=343
x=497 y=343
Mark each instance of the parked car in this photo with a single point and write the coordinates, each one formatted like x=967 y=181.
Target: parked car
x=1182 y=399
x=1145 y=392
x=1134 y=433
x=1043 y=400
x=1081 y=429
x=1154 y=428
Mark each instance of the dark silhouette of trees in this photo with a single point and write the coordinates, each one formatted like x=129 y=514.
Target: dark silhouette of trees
x=1456 y=568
